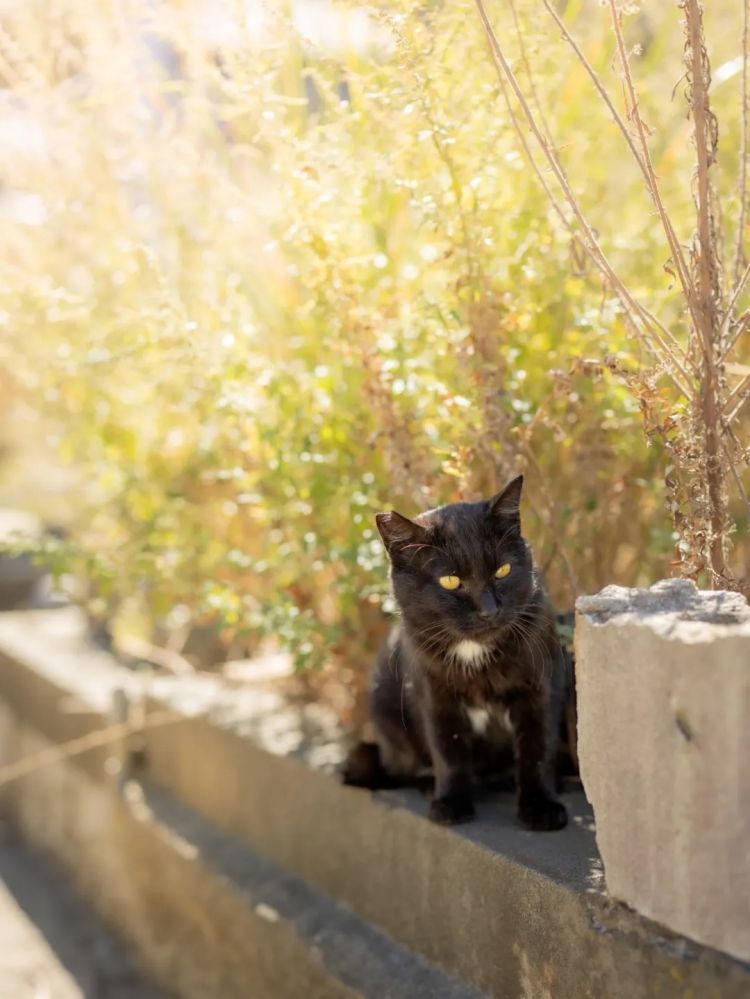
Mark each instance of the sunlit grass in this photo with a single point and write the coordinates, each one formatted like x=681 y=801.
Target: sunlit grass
x=270 y=273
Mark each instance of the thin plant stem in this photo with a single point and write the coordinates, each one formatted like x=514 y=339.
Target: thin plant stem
x=648 y=168
x=739 y=288
x=643 y=161
x=739 y=255
x=632 y=307
x=75 y=747
x=732 y=416
x=529 y=74
x=705 y=293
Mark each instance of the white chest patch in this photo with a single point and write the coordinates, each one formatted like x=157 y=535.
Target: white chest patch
x=479 y=718
x=470 y=653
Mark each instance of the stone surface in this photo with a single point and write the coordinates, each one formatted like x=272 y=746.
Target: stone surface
x=665 y=603
x=210 y=918
x=19 y=575
x=663 y=681
x=509 y=912
x=50 y=943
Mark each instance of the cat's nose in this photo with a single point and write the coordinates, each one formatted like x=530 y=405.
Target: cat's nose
x=487 y=605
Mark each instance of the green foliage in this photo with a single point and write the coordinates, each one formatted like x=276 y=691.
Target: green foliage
x=256 y=323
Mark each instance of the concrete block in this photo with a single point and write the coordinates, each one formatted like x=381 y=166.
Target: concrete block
x=663 y=680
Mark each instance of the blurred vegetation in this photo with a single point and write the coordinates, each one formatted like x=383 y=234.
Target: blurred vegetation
x=267 y=273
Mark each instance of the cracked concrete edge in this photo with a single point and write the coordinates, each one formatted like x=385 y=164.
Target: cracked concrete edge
x=673 y=606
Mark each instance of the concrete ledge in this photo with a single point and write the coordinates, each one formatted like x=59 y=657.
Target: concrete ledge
x=208 y=916
x=663 y=679
x=510 y=913
x=52 y=945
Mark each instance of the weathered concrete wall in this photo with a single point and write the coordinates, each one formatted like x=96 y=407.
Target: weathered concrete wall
x=508 y=912
x=209 y=918
x=198 y=936
x=663 y=680
x=20 y=576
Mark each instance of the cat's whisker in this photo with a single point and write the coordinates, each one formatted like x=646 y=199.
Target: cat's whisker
x=403 y=713
x=391 y=659
x=525 y=636
x=433 y=643
x=435 y=629
x=534 y=646
x=432 y=625
x=416 y=547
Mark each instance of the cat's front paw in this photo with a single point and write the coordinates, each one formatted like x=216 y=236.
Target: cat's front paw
x=451 y=810
x=542 y=814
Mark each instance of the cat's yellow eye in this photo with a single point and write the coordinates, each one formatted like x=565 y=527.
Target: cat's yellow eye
x=503 y=571
x=449 y=582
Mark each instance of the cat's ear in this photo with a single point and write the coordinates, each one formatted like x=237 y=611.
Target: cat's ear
x=506 y=505
x=398 y=531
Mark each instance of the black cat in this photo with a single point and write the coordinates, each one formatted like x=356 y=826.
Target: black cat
x=477 y=632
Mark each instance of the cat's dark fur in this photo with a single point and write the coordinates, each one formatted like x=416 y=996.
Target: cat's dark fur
x=491 y=644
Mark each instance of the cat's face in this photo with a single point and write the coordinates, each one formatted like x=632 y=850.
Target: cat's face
x=461 y=573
